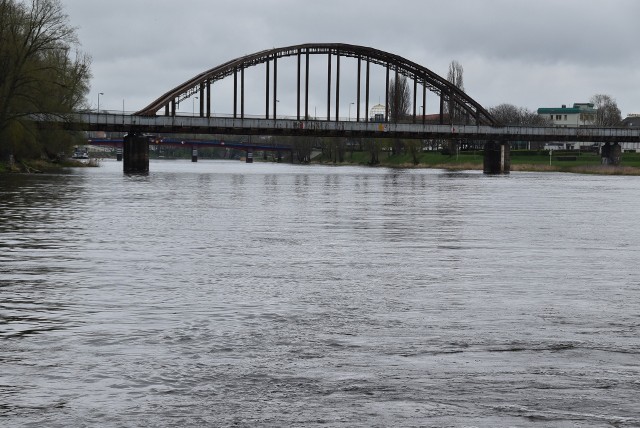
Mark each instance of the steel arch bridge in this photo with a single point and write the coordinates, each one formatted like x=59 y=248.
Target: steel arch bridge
x=200 y=85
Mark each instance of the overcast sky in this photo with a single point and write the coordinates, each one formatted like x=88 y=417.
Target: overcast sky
x=533 y=53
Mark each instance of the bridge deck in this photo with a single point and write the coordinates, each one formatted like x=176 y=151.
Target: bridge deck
x=253 y=126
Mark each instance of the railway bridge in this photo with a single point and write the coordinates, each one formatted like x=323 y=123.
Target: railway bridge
x=457 y=115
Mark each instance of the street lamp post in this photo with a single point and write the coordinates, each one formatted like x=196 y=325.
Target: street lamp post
x=350 y=104
x=99 y=93
x=193 y=105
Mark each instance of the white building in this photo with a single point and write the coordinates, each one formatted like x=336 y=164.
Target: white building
x=581 y=114
x=377 y=113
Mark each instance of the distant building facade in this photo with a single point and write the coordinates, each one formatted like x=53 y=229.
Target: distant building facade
x=631 y=121
x=378 y=113
x=581 y=114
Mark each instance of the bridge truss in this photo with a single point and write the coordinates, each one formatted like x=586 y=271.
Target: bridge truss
x=200 y=85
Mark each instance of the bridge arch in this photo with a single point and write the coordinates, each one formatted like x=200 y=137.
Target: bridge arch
x=421 y=76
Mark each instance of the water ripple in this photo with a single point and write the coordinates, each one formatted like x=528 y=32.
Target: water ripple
x=227 y=294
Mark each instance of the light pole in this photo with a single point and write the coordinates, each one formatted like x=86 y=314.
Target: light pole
x=193 y=105
x=350 y=104
x=99 y=93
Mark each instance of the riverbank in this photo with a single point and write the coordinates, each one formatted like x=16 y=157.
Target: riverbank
x=44 y=166
x=578 y=163
x=583 y=164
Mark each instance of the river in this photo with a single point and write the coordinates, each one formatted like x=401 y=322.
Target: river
x=221 y=293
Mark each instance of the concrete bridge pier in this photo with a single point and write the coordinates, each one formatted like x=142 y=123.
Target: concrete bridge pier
x=611 y=154
x=497 y=158
x=194 y=154
x=616 y=154
x=135 y=153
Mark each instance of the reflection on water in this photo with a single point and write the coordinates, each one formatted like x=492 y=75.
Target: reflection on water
x=227 y=294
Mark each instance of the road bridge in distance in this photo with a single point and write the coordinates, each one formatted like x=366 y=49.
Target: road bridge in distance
x=195 y=145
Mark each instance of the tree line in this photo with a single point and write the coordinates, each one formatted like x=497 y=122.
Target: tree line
x=607 y=114
x=42 y=70
x=607 y=111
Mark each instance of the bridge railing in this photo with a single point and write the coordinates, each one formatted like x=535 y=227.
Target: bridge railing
x=230 y=116
x=287 y=126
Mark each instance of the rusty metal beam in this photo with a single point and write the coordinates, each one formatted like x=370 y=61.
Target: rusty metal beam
x=366 y=103
x=358 y=91
x=298 y=87
x=275 y=87
x=424 y=103
x=208 y=98
x=396 y=97
x=426 y=77
x=386 y=95
x=329 y=87
x=415 y=98
x=337 y=86
x=201 y=99
x=306 y=88
x=235 y=93
x=242 y=93
x=268 y=83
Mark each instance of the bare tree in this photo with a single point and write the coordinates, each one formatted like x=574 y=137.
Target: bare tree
x=455 y=74
x=301 y=148
x=399 y=99
x=399 y=106
x=456 y=77
x=373 y=146
x=414 y=147
x=607 y=111
x=508 y=114
x=451 y=109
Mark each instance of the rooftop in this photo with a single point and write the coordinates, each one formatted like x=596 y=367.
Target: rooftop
x=577 y=108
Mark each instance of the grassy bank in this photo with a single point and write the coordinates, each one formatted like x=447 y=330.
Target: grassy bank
x=574 y=162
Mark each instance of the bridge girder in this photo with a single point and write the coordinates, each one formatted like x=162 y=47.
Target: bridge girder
x=411 y=70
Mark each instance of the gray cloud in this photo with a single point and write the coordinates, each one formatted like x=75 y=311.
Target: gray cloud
x=528 y=53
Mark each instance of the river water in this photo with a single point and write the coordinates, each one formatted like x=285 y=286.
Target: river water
x=229 y=294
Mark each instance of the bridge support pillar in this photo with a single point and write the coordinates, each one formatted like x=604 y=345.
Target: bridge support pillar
x=497 y=158
x=611 y=154
x=616 y=154
x=136 y=154
x=194 y=154
x=249 y=156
